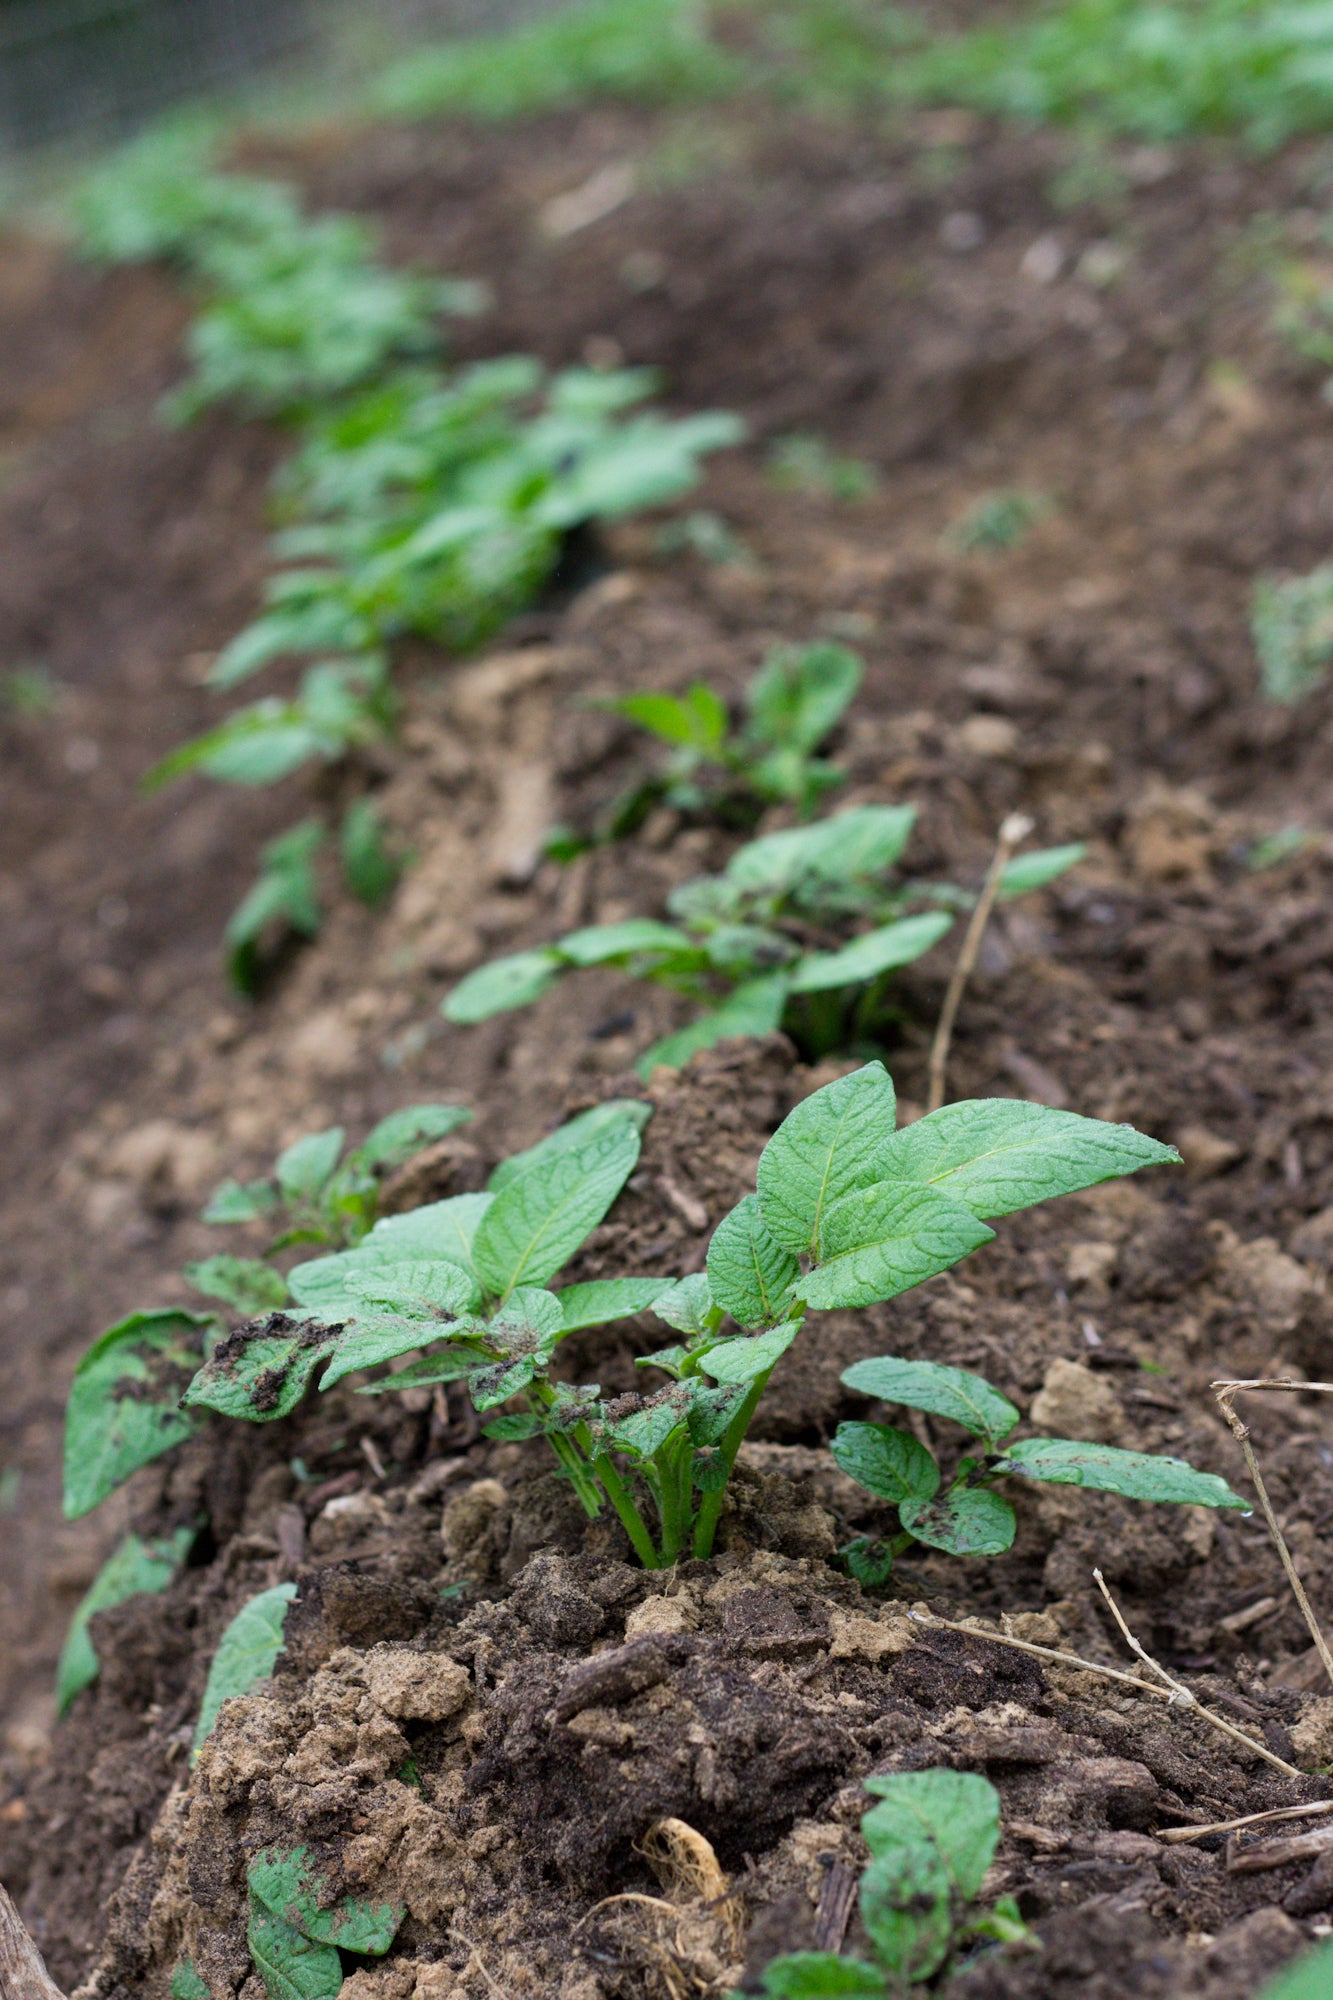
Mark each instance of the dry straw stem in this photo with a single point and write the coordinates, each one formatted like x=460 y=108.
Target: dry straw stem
x=1277 y=1853
x=1186 y=1697
x=22 y=1973
x=1274 y=1813
x=1226 y=1392
x=1013 y=830
x=1175 y=1699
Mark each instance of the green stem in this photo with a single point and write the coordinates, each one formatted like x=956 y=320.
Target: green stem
x=584 y=1484
x=630 y=1517
x=710 y=1508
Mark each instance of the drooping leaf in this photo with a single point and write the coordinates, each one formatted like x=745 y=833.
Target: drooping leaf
x=603 y=1300
x=292 y=1967
x=538 y=1220
x=931 y=1840
x=965 y=1521
x=246 y=1653
x=575 y=1132
x=899 y=943
x=820 y=1975
x=998 y=1154
x=1033 y=871
x=446 y=1364
x=686 y=1305
x=260 y=1373
x=954 y=1393
x=123 y=1407
x=630 y=939
x=891 y=1464
x=1104 y=1468
x=371 y=1342
x=503 y=984
x=745 y=1360
x=307 y=1166
x=135 y=1566
x=399 y=1135
x=290 y=1886
x=881 y=1240
x=244 y=1282
x=750 y=1275
x=753 y=1009
x=832 y=1142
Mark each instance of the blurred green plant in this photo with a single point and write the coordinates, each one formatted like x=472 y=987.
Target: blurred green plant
x=998 y=521
x=1291 y=622
x=805 y=463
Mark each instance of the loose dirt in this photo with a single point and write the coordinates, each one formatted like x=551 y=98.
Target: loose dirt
x=483 y=1708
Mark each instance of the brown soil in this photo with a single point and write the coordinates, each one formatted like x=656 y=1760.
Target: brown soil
x=555 y=1701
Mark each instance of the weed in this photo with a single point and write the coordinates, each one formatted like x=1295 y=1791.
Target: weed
x=29 y=691
x=705 y=535
x=932 y=1836
x=765 y=941
x=805 y=463
x=1291 y=623
x=792 y=704
x=847 y=1212
x=999 y=520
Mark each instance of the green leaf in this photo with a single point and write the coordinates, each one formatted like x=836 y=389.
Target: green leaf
x=371 y=1342
x=244 y=1282
x=439 y=1230
x=601 y=942
x=135 y=1566
x=371 y=869
x=289 y=1885
x=307 y=1166
x=820 y=1975
x=538 y=1220
x=870 y=1560
x=292 y=1967
x=931 y=1841
x=861 y=841
x=696 y=722
x=186 y=1983
x=733 y=1361
x=832 y=1142
x=954 y=1393
x=643 y=1433
x=446 y=1364
x=866 y=957
x=965 y=1521
x=686 y=1305
x=246 y=1654
x=403 y=1132
x=123 y=1407
x=893 y=1465
x=1104 y=1468
x=1309 y=1977
x=261 y=1374
x=574 y=1133
x=503 y=984
x=800 y=692
x=603 y=1300
x=1034 y=871
x=998 y=1154
x=424 y=1290
x=234 y=1203
x=879 y=1241
x=753 y=1009
x=749 y=1274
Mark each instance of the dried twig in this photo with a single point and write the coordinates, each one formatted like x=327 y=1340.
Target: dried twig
x=1014 y=829
x=1226 y=1393
x=1110 y=1674
x=836 y=1902
x=23 y=1976
x=1277 y=1853
x=1182 y=1833
x=1186 y=1697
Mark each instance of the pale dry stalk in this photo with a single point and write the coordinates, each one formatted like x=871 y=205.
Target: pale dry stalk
x=23 y=1976
x=1013 y=831
x=1226 y=1393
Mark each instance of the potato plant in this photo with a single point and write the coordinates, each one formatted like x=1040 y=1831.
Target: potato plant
x=764 y=944
x=932 y=1836
x=792 y=704
x=847 y=1211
